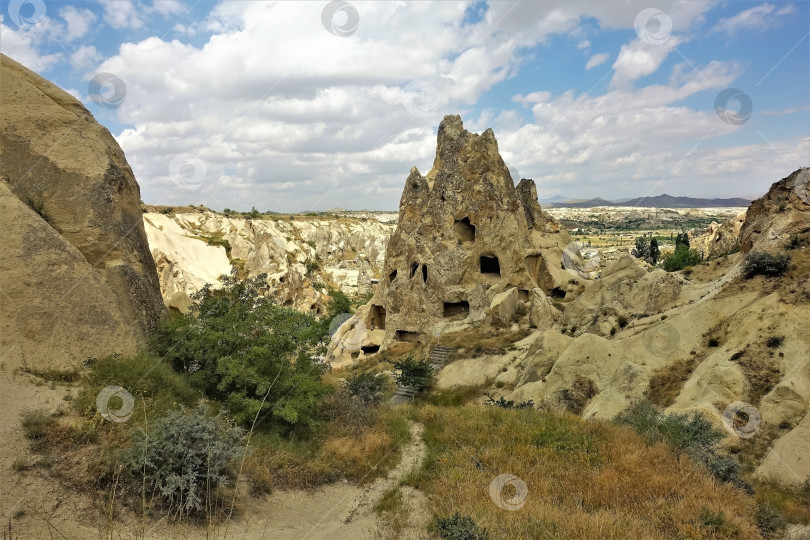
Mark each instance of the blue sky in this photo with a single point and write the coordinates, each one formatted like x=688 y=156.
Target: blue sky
x=296 y=106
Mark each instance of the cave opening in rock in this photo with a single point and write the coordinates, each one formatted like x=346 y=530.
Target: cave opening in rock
x=406 y=335
x=414 y=268
x=370 y=349
x=456 y=309
x=523 y=295
x=465 y=231
x=557 y=292
x=424 y=273
x=392 y=276
x=377 y=317
x=490 y=265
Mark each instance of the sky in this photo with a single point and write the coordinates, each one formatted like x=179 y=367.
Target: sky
x=292 y=106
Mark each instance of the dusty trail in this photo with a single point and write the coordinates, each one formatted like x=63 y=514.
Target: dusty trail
x=39 y=507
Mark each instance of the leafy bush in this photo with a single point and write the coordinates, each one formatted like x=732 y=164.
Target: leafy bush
x=184 y=457
x=415 y=374
x=682 y=258
x=774 y=342
x=622 y=321
x=510 y=404
x=143 y=376
x=712 y=520
x=765 y=264
x=36 y=425
x=693 y=435
x=769 y=520
x=458 y=527
x=367 y=387
x=340 y=303
x=242 y=349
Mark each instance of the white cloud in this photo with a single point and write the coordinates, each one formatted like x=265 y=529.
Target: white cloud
x=121 y=14
x=286 y=115
x=78 y=21
x=168 y=7
x=597 y=60
x=638 y=59
x=759 y=18
x=85 y=57
x=584 y=45
x=23 y=45
x=783 y=112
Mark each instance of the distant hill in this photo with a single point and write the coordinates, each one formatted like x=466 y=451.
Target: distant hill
x=659 y=201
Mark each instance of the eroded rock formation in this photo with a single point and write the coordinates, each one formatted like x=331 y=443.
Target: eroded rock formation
x=78 y=277
x=469 y=248
x=302 y=257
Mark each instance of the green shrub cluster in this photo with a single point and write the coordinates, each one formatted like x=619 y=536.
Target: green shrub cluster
x=414 y=374
x=258 y=358
x=691 y=434
x=184 y=459
x=368 y=388
x=765 y=264
x=458 y=527
x=682 y=258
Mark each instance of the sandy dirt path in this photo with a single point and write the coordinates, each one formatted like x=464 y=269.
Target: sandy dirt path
x=39 y=507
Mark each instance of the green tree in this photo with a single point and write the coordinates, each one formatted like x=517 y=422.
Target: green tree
x=414 y=374
x=682 y=258
x=255 y=356
x=642 y=249
x=655 y=253
x=682 y=239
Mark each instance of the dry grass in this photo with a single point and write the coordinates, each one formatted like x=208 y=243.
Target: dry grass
x=584 y=480
x=486 y=340
x=666 y=383
x=358 y=443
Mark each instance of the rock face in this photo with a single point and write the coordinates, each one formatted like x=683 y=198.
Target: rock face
x=782 y=211
x=301 y=256
x=469 y=248
x=719 y=239
x=76 y=265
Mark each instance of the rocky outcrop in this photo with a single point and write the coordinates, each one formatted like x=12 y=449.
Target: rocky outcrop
x=77 y=266
x=301 y=255
x=469 y=246
x=774 y=217
x=719 y=239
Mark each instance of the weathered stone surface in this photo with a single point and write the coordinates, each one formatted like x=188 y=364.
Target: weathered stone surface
x=719 y=239
x=298 y=255
x=55 y=158
x=465 y=235
x=771 y=219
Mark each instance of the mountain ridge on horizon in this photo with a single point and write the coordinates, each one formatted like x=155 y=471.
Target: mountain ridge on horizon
x=659 y=201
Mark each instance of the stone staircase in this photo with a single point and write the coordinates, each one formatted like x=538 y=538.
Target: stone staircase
x=437 y=358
